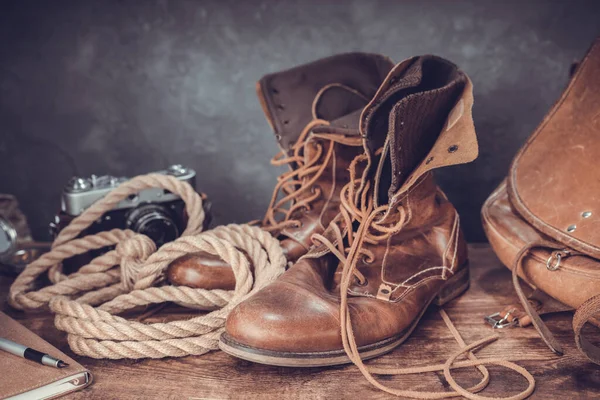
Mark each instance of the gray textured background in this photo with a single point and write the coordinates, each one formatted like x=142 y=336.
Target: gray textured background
x=126 y=87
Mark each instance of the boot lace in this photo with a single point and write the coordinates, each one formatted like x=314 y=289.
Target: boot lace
x=376 y=224
x=298 y=185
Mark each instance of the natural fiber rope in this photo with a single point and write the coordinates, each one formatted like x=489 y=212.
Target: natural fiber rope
x=125 y=277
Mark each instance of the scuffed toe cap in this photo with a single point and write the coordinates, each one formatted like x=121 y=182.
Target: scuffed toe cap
x=298 y=314
x=201 y=270
x=287 y=316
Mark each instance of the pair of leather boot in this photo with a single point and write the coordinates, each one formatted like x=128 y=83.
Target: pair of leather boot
x=372 y=238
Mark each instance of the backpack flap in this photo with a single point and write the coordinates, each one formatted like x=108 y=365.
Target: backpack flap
x=554 y=181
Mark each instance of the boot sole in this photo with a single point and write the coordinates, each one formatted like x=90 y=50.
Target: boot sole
x=455 y=286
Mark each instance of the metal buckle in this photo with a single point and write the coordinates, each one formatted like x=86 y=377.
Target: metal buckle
x=498 y=322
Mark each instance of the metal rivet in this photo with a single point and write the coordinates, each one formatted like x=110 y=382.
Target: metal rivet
x=385 y=291
x=586 y=214
x=452 y=148
x=430 y=159
x=393 y=80
x=278 y=137
x=571 y=228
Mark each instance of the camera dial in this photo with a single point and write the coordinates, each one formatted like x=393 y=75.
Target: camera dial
x=154 y=221
x=78 y=184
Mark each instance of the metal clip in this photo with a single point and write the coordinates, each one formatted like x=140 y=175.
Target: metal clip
x=553 y=262
x=553 y=266
x=498 y=322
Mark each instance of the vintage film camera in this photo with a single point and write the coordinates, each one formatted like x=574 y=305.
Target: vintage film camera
x=156 y=213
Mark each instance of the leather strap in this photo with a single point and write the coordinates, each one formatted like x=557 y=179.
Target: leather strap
x=536 y=320
x=540 y=301
x=546 y=304
x=584 y=313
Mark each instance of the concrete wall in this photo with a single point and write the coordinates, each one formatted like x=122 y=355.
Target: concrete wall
x=127 y=87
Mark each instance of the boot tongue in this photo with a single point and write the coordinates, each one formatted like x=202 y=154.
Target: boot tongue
x=342 y=106
x=346 y=125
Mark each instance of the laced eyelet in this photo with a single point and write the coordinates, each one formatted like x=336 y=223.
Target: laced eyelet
x=299 y=224
x=358 y=283
x=366 y=260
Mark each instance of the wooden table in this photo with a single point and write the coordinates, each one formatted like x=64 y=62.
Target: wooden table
x=219 y=376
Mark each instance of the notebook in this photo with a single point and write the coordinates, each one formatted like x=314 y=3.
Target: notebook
x=23 y=379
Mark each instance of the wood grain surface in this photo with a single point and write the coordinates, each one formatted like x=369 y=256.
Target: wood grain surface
x=219 y=376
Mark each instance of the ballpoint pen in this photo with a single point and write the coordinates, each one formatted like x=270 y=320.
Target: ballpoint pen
x=31 y=354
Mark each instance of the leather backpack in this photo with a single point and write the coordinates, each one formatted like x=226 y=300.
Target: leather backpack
x=543 y=221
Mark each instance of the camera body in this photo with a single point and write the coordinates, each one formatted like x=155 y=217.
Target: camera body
x=156 y=213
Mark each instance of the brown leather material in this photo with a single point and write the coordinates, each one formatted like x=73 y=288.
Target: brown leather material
x=536 y=320
x=430 y=239
x=398 y=276
x=211 y=272
x=334 y=89
x=427 y=82
x=575 y=281
x=326 y=207
x=541 y=302
x=549 y=182
x=202 y=270
x=446 y=149
x=542 y=222
x=585 y=313
x=288 y=95
x=302 y=313
x=578 y=277
x=514 y=312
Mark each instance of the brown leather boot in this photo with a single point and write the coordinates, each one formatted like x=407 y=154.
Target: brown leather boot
x=396 y=245
x=314 y=110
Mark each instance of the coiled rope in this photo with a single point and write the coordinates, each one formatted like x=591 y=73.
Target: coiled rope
x=86 y=303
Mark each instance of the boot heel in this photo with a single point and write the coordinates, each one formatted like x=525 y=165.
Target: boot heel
x=454 y=287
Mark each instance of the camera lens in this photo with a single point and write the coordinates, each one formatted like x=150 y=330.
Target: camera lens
x=154 y=221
